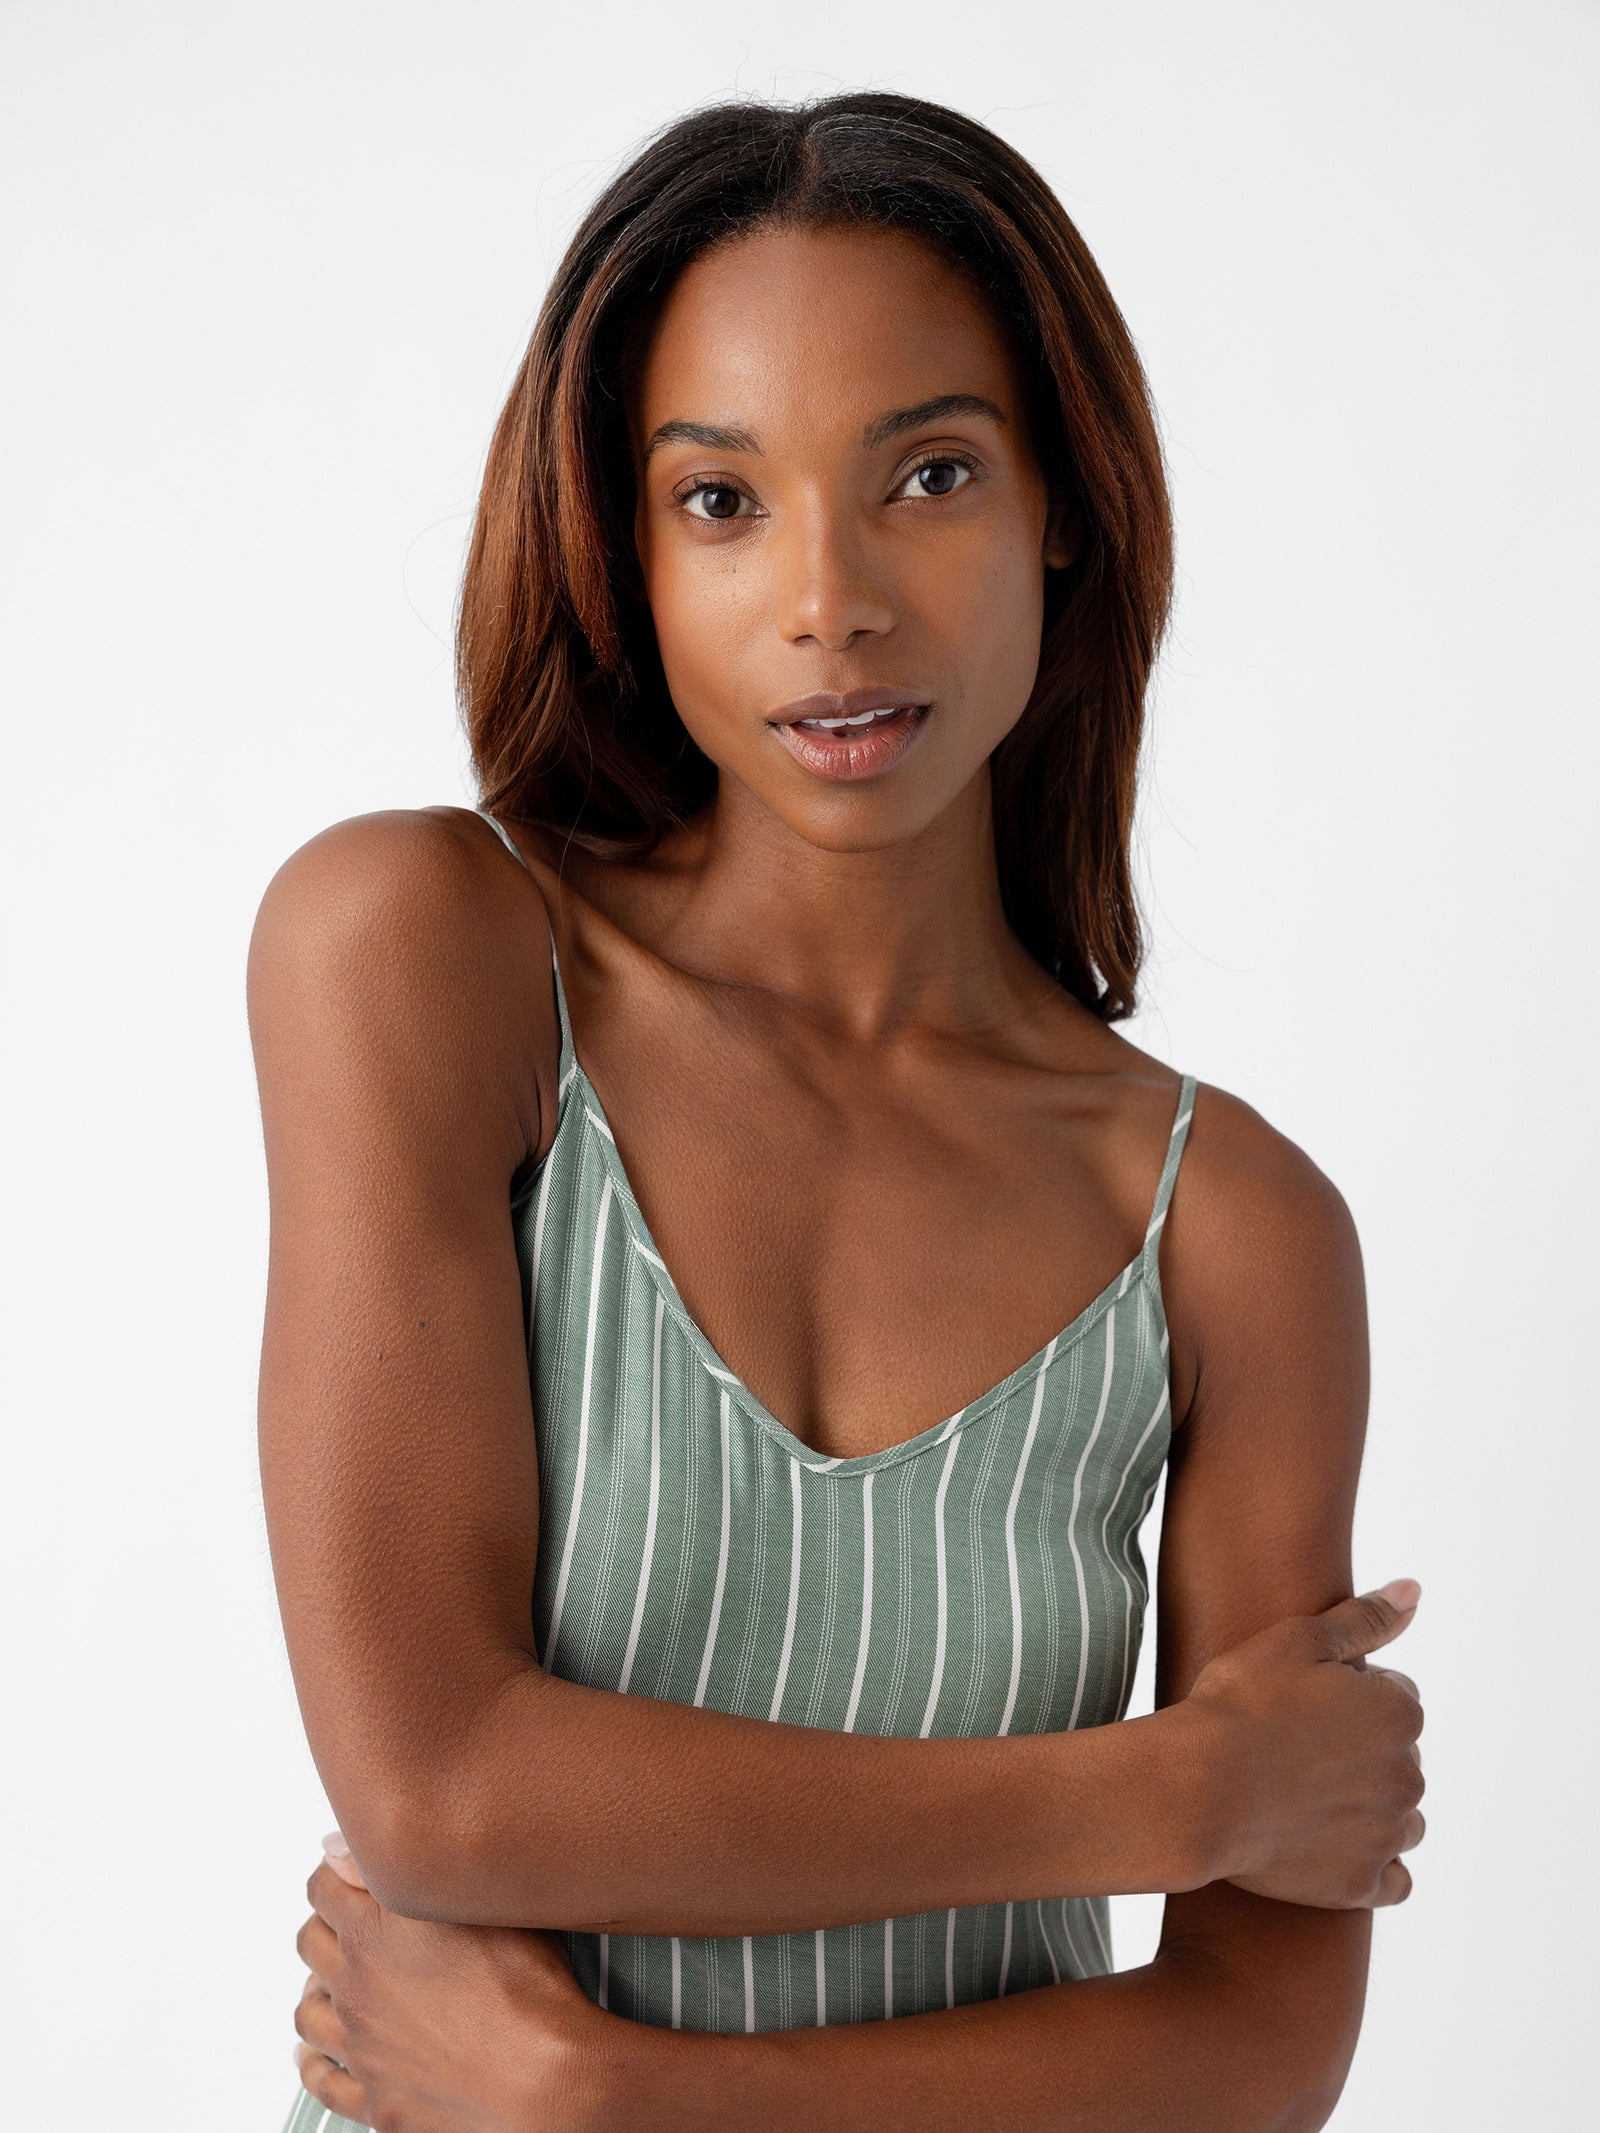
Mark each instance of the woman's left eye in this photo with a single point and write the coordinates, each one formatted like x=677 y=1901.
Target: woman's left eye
x=939 y=477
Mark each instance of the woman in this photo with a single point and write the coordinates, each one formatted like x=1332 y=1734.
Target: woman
x=670 y=1164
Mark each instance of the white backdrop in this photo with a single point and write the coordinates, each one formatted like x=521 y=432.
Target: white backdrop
x=271 y=269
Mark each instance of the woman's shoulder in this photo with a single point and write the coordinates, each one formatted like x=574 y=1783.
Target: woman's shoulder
x=422 y=880
x=1239 y=1168
x=1251 y=1187
x=408 y=929
x=1260 y=1249
x=395 y=859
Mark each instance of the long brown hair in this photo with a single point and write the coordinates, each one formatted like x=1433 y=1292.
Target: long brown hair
x=560 y=683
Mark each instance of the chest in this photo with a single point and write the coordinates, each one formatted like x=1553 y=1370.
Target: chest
x=869 y=1244
x=980 y=1576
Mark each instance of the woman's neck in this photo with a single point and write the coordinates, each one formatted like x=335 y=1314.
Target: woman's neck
x=911 y=935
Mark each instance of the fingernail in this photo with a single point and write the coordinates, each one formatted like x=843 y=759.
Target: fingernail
x=335 y=1846
x=1401 y=1593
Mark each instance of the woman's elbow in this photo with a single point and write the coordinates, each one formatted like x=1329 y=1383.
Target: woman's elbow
x=1307 y=2111
x=1304 y=2058
x=1280 y=1998
x=406 y=1849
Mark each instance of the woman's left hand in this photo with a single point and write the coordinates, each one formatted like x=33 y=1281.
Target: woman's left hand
x=413 y=2027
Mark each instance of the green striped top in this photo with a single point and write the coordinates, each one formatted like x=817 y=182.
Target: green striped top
x=983 y=1577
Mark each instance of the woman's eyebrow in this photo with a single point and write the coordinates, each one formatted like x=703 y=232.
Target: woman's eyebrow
x=895 y=424
x=880 y=430
x=709 y=434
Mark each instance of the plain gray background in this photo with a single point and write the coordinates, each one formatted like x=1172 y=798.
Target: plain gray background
x=270 y=269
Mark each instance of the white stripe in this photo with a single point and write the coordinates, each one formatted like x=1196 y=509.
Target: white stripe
x=1005 y=1953
x=939 y=1559
x=722 y=1566
x=1044 y=1930
x=1011 y=1567
x=1094 y=1920
x=565 y=1082
x=866 y=1608
x=950 y=1425
x=583 y=1426
x=1080 y=1967
x=1072 y=1524
x=749 y=1985
x=1105 y=1545
x=538 y=1246
x=600 y=1125
x=510 y=844
x=1128 y=1537
x=794 y=1591
x=655 y=1500
x=888 y=1969
x=726 y=1376
x=822 y=1668
x=822 y=1983
x=1178 y=1125
x=950 y=1959
x=645 y=1252
x=1127 y=1276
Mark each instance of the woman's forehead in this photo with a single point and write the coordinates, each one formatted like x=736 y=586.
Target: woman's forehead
x=801 y=326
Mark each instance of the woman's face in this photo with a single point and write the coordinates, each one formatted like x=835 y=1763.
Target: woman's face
x=838 y=496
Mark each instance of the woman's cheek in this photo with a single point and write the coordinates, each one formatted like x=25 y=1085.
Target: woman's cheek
x=723 y=689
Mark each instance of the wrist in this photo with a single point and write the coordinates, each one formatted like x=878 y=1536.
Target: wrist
x=650 y=2079
x=1133 y=1809
x=1205 y=1793
x=614 y=2073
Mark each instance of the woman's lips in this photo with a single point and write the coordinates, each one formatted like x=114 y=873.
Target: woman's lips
x=855 y=751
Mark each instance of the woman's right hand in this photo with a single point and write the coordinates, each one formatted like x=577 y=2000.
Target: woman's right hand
x=1316 y=1755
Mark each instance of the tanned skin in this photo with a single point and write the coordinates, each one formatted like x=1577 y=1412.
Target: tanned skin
x=838 y=1080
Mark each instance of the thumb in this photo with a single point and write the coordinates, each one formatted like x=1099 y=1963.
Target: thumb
x=1369 y=1621
x=337 y=1853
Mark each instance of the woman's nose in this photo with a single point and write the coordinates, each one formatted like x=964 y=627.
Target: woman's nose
x=828 y=588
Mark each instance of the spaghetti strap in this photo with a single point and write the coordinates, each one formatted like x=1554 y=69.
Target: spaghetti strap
x=569 y=1057
x=504 y=835
x=1184 y=1111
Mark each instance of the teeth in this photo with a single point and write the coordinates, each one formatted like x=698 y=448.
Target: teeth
x=838 y=725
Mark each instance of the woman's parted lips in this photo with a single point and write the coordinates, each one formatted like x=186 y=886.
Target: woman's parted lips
x=831 y=705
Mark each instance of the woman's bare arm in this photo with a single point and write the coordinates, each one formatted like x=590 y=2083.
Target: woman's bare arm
x=1246 y=2024
x=1246 y=2019
x=403 y=1020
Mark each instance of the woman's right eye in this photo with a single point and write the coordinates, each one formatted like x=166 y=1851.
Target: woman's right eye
x=721 y=502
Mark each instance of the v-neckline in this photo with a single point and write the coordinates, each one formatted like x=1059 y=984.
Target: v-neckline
x=729 y=1381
